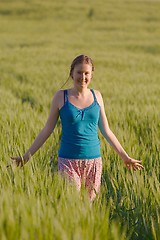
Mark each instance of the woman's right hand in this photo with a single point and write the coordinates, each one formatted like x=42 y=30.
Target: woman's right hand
x=18 y=161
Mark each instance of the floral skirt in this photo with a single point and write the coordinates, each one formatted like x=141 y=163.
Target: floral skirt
x=79 y=171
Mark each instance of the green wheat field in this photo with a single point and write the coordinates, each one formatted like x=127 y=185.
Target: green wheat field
x=38 y=41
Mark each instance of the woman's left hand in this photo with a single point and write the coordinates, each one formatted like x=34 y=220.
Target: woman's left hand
x=133 y=164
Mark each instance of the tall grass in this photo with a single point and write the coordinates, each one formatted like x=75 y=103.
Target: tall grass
x=38 y=41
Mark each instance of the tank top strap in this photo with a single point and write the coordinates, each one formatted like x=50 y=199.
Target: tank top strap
x=65 y=95
x=95 y=99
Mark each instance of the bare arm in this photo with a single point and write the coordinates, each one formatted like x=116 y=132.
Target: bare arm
x=111 y=138
x=44 y=133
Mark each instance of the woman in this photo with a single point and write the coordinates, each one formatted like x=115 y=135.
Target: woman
x=81 y=111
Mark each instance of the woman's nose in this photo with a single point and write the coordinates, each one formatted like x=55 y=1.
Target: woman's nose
x=83 y=76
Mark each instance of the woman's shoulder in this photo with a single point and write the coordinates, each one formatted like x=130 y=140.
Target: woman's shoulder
x=58 y=98
x=97 y=93
x=59 y=94
x=98 y=96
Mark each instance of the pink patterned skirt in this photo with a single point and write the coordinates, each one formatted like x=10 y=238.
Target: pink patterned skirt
x=80 y=171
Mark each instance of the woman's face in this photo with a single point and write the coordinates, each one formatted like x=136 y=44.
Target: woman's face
x=81 y=75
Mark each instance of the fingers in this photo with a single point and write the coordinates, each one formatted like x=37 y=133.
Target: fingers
x=18 y=161
x=139 y=165
x=135 y=161
x=135 y=165
x=138 y=161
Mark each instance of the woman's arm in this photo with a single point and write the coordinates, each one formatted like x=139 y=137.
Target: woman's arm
x=44 y=133
x=111 y=138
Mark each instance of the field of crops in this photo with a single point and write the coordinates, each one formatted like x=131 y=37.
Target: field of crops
x=38 y=41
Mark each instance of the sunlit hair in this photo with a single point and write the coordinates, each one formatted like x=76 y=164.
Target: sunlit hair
x=79 y=60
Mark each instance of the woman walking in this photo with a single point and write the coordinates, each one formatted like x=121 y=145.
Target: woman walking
x=81 y=111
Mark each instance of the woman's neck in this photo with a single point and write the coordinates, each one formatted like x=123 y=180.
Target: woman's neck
x=78 y=92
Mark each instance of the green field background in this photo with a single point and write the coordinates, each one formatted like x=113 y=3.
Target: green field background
x=38 y=41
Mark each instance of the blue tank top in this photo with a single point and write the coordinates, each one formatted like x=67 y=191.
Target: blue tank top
x=79 y=130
